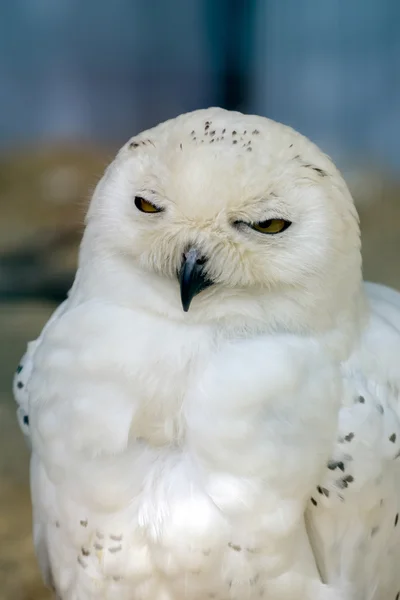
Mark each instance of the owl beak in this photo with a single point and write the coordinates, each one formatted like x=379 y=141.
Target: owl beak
x=192 y=278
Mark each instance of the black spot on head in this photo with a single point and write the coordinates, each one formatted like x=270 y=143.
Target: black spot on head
x=393 y=438
x=320 y=172
x=26 y=420
x=314 y=501
x=349 y=436
x=255 y=132
x=19 y=369
x=361 y=399
x=134 y=145
x=20 y=385
x=317 y=169
x=396 y=519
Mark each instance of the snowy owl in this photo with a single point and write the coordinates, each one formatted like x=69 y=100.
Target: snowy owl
x=214 y=411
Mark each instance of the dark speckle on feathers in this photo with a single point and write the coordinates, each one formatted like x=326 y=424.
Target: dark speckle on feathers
x=20 y=385
x=26 y=420
x=335 y=464
x=234 y=142
x=344 y=482
x=380 y=408
x=84 y=523
x=235 y=547
x=255 y=132
x=234 y=132
x=349 y=436
x=396 y=519
x=314 y=501
x=19 y=369
x=374 y=530
x=134 y=145
x=361 y=399
x=392 y=438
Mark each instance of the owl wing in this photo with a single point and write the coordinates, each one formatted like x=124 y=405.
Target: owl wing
x=353 y=516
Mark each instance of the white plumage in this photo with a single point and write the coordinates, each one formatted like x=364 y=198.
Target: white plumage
x=247 y=447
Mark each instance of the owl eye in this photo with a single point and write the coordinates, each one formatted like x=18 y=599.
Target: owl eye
x=146 y=206
x=271 y=226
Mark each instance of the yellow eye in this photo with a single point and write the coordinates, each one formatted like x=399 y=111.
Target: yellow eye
x=146 y=206
x=271 y=226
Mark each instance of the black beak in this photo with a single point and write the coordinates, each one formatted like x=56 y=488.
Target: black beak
x=192 y=278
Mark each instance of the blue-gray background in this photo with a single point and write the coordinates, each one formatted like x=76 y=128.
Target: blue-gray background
x=79 y=77
x=101 y=69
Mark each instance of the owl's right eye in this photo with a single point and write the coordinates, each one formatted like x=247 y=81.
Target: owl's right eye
x=145 y=206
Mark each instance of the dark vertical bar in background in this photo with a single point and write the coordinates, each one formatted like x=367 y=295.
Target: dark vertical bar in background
x=230 y=32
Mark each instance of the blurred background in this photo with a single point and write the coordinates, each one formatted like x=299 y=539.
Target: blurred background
x=77 y=79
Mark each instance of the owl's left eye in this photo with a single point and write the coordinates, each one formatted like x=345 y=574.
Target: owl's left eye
x=271 y=226
x=145 y=206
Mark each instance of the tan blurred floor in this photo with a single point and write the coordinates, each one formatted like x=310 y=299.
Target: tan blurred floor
x=19 y=576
